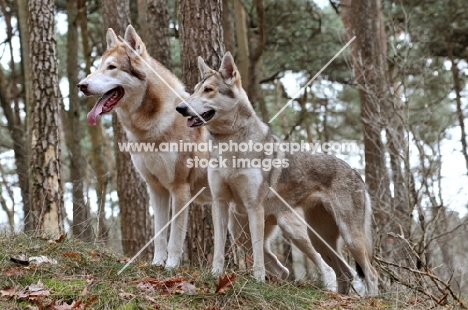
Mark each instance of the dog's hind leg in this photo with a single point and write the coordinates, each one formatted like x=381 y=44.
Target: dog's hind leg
x=356 y=232
x=324 y=224
x=180 y=197
x=239 y=230
x=159 y=200
x=272 y=263
x=294 y=229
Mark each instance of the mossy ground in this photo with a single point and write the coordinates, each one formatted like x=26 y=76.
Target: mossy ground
x=87 y=275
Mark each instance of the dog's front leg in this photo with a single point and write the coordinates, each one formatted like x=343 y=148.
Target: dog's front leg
x=159 y=200
x=180 y=198
x=220 y=213
x=257 y=225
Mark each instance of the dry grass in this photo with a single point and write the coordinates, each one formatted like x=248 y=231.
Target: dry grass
x=87 y=275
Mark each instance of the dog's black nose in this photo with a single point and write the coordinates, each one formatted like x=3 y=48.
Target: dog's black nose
x=182 y=109
x=82 y=86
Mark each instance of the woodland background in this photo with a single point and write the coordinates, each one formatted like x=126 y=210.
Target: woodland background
x=399 y=90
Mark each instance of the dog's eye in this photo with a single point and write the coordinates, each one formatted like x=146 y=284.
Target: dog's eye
x=208 y=90
x=111 y=67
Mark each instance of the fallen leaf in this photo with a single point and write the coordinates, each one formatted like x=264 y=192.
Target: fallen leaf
x=94 y=256
x=150 y=299
x=188 y=288
x=123 y=260
x=329 y=304
x=14 y=292
x=145 y=286
x=75 y=305
x=90 y=301
x=8 y=291
x=39 y=293
x=72 y=255
x=37 y=260
x=60 y=238
x=89 y=279
x=126 y=295
x=36 y=287
x=12 y=272
x=176 y=285
x=224 y=283
x=173 y=281
x=36 y=291
x=168 y=283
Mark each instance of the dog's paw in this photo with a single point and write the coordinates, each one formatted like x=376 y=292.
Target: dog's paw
x=173 y=258
x=172 y=262
x=259 y=275
x=159 y=260
x=329 y=278
x=217 y=271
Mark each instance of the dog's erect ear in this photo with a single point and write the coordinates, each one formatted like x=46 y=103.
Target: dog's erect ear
x=111 y=38
x=203 y=67
x=135 y=42
x=228 y=68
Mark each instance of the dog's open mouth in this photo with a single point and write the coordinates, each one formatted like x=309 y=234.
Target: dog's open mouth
x=195 y=121
x=105 y=104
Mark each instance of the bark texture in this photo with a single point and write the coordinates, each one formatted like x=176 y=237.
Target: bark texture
x=131 y=189
x=46 y=185
x=201 y=34
x=17 y=129
x=158 y=42
x=101 y=166
x=363 y=19
x=81 y=218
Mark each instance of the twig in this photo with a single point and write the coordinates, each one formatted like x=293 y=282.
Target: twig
x=427 y=272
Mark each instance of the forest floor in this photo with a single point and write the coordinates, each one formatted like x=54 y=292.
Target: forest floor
x=37 y=273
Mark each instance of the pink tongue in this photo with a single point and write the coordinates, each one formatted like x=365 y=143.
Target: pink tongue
x=97 y=109
x=190 y=121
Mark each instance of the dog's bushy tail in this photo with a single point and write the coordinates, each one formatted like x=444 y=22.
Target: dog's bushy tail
x=367 y=232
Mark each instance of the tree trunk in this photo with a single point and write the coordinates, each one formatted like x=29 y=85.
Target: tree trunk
x=363 y=19
x=253 y=88
x=142 y=20
x=16 y=129
x=458 y=88
x=397 y=138
x=46 y=185
x=158 y=42
x=10 y=212
x=201 y=34
x=100 y=164
x=242 y=38
x=81 y=225
x=228 y=27
x=131 y=189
